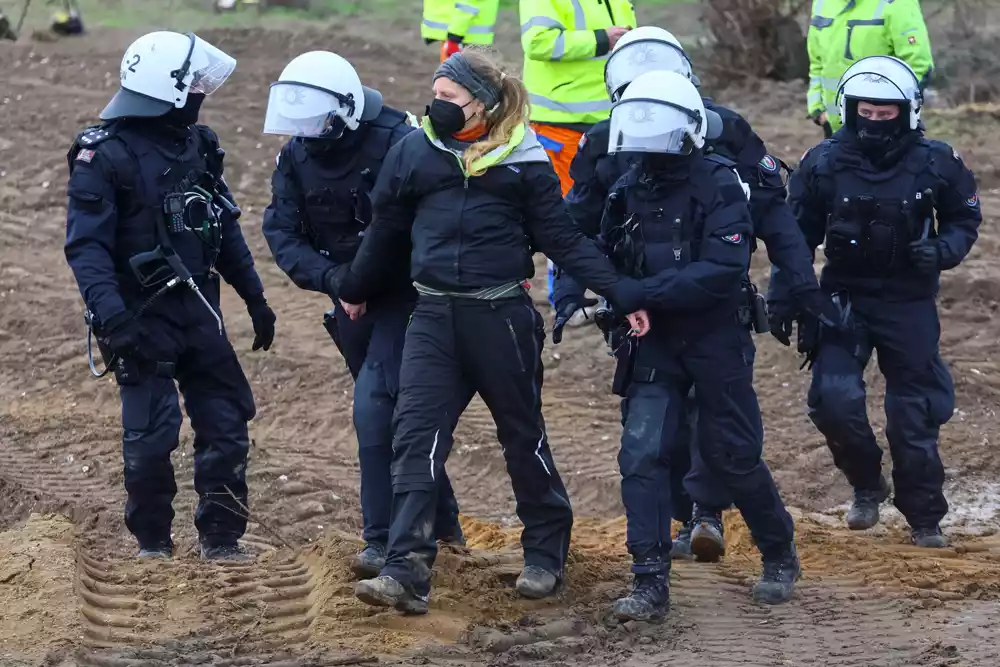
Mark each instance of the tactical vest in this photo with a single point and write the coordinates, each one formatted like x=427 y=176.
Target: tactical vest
x=874 y=216
x=147 y=176
x=664 y=223
x=336 y=186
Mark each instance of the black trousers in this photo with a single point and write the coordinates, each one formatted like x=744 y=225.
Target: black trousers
x=454 y=348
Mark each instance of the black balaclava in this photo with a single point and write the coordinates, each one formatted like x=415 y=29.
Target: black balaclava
x=188 y=114
x=877 y=138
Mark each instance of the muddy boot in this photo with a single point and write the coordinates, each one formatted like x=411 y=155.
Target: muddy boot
x=230 y=553
x=778 y=580
x=708 y=542
x=369 y=561
x=681 y=547
x=864 y=512
x=648 y=601
x=387 y=592
x=536 y=582
x=160 y=550
x=454 y=537
x=928 y=538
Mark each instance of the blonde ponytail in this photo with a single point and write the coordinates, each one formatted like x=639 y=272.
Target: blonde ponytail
x=512 y=110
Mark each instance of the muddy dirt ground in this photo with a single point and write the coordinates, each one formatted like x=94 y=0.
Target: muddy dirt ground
x=71 y=595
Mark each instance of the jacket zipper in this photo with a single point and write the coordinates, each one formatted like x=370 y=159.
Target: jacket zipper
x=517 y=348
x=611 y=13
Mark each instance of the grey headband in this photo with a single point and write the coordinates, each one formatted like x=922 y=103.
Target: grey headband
x=456 y=68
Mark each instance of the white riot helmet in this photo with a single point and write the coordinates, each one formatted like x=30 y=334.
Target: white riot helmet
x=319 y=94
x=642 y=50
x=160 y=69
x=659 y=112
x=879 y=80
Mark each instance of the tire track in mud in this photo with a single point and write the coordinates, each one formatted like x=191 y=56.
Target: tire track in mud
x=193 y=612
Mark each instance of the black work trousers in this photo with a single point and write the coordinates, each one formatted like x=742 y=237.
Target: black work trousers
x=456 y=347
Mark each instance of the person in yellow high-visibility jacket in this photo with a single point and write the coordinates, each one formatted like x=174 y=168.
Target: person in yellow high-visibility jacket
x=566 y=44
x=842 y=32
x=457 y=23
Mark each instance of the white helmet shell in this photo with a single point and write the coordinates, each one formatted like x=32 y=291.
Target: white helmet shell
x=645 y=49
x=316 y=92
x=160 y=69
x=659 y=112
x=880 y=79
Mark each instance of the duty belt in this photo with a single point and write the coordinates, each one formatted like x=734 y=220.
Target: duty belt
x=505 y=291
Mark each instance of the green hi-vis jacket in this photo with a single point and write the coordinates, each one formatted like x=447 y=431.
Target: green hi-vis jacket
x=472 y=20
x=842 y=32
x=565 y=48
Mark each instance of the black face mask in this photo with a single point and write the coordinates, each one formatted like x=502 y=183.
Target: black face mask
x=188 y=115
x=877 y=136
x=667 y=164
x=447 y=118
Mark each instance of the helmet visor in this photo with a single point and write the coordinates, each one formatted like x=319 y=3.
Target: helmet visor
x=639 y=57
x=650 y=126
x=299 y=110
x=210 y=67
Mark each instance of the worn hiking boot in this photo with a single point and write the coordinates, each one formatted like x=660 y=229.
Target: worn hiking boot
x=161 y=550
x=384 y=591
x=368 y=562
x=708 y=543
x=648 y=601
x=929 y=538
x=231 y=553
x=864 y=512
x=681 y=547
x=536 y=582
x=778 y=579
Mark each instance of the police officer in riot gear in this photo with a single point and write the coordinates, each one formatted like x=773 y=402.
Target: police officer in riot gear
x=594 y=171
x=679 y=220
x=870 y=193
x=150 y=228
x=319 y=209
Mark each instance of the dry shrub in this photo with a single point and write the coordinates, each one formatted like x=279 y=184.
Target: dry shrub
x=762 y=39
x=963 y=39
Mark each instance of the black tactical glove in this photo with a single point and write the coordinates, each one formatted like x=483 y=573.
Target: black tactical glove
x=263 y=323
x=333 y=278
x=925 y=256
x=820 y=306
x=121 y=334
x=566 y=310
x=780 y=317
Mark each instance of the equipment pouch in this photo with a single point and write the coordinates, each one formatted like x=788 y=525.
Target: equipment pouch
x=330 y=324
x=845 y=241
x=881 y=246
x=761 y=322
x=623 y=371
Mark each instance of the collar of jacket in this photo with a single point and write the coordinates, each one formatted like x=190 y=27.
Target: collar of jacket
x=523 y=147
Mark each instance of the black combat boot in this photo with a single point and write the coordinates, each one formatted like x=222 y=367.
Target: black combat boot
x=681 y=547
x=232 y=553
x=928 y=538
x=708 y=542
x=369 y=561
x=864 y=512
x=163 y=550
x=536 y=582
x=778 y=580
x=384 y=591
x=648 y=601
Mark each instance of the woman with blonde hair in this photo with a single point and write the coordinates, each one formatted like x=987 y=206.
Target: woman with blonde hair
x=470 y=199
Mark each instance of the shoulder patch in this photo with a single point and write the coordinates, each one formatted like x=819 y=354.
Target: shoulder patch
x=954 y=154
x=973 y=201
x=85 y=155
x=805 y=155
x=734 y=239
x=769 y=164
x=582 y=142
x=277 y=159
